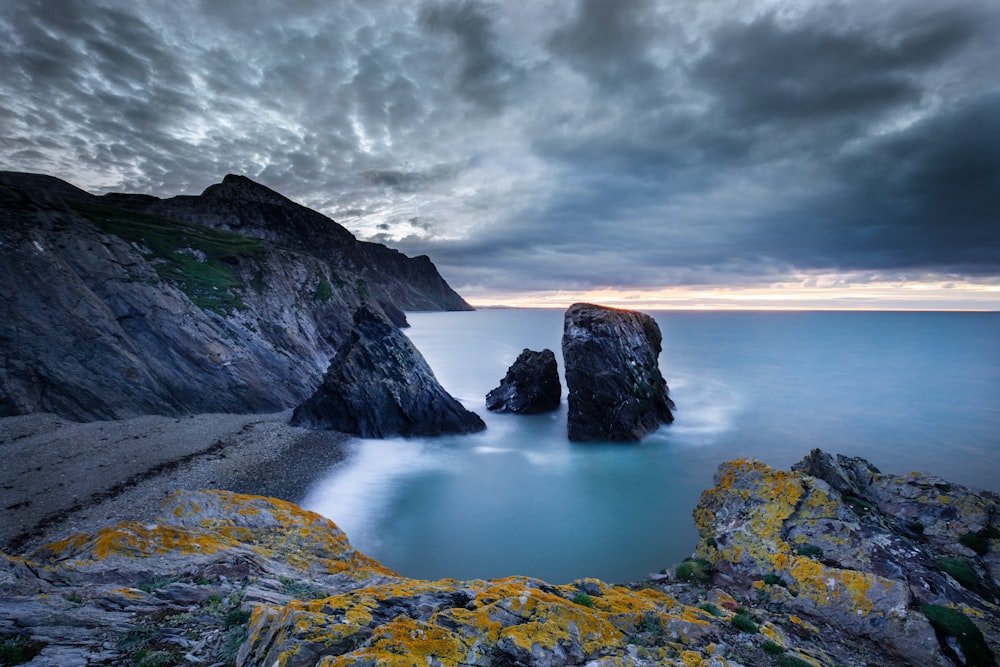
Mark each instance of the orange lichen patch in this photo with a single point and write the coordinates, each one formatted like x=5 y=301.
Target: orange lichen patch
x=131 y=593
x=63 y=548
x=404 y=641
x=554 y=621
x=803 y=624
x=135 y=540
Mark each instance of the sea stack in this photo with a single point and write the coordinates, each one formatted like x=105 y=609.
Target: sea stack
x=615 y=389
x=530 y=386
x=378 y=385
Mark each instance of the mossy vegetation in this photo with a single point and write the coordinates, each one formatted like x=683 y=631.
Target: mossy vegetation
x=744 y=622
x=324 y=291
x=18 y=650
x=809 y=551
x=694 y=570
x=976 y=541
x=774 y=580
x=583 y=599
x=949 y=622
x=208 y=265
x=772 y=648
x=961 y=571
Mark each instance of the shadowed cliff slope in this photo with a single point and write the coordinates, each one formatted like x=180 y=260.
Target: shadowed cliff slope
x=126 y=305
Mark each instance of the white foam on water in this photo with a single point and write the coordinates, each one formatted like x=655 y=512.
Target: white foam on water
x=357 y=494
x=707 y=408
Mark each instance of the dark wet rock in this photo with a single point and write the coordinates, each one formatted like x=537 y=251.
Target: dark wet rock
x=531 y=385
x=378 y=385
x=615 y=389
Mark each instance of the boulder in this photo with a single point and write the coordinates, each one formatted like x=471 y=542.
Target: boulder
x=378 y=385
x=530 y=386
x=615 y=389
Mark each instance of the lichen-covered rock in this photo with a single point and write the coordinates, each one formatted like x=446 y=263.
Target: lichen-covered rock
x=842 y=547
x=530 y=386
x=615 y=389
x=227 y=579
x=378 y=385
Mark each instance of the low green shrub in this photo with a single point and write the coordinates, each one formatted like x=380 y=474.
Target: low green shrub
x=583 y=599
x=809 y=550
x=694 y=571
x=711 y=609
x=19 y=650
x=774 y=580
x=960 y=570
x=975 y=541
x=744 y=622
x=953 y=623
x=772 y=648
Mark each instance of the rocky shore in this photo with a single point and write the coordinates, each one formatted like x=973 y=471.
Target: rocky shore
x=51 y=486
x=830 y=563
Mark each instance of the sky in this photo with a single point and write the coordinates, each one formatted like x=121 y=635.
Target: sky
x=688 y=153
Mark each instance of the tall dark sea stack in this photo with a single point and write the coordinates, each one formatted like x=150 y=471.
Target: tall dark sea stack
x=379 y=386
x=615 y=389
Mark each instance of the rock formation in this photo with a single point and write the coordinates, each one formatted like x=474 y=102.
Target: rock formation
x=113 y=310
x=378 y=385
x=903 y=561
x=531 y=385
x=790 y=573
x=615 y=389
x=240 y=205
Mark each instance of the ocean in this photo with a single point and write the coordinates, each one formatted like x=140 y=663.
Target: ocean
x=905 y=390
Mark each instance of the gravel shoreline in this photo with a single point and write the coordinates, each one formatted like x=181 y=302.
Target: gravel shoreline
x=60 y=477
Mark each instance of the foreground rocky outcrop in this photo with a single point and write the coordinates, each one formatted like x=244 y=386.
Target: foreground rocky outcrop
x=530 y=386
x=232 y=301
x=378 y=385
x=615 y=389
x=909 y=562
x=226 y=579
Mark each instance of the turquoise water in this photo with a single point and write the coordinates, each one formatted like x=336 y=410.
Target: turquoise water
x=908 y=391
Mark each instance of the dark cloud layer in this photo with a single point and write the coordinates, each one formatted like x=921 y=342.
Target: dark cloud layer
x=526 y=145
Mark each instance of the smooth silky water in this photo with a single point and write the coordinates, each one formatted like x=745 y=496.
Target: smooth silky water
x=908 y=391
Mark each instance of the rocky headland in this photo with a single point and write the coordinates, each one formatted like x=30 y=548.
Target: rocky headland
x=232 y=301
x=614 y=387
x=820 y=565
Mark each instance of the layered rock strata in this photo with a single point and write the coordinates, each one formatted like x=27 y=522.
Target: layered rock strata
x=378 y=385
x=615 y=389
x=790 y=573
x=530 y=386
x=113 y=309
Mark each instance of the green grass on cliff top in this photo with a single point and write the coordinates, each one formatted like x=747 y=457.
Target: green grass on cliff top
x=213 y=281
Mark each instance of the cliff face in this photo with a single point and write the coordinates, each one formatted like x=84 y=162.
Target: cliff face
x=227 y=579
x=111 y=312
x=240 y=205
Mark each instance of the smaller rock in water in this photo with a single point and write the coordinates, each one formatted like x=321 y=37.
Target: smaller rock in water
x=530 y=386
x=378 y=385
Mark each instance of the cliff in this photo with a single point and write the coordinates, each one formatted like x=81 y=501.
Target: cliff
x=231 y=301
x=227 y=579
